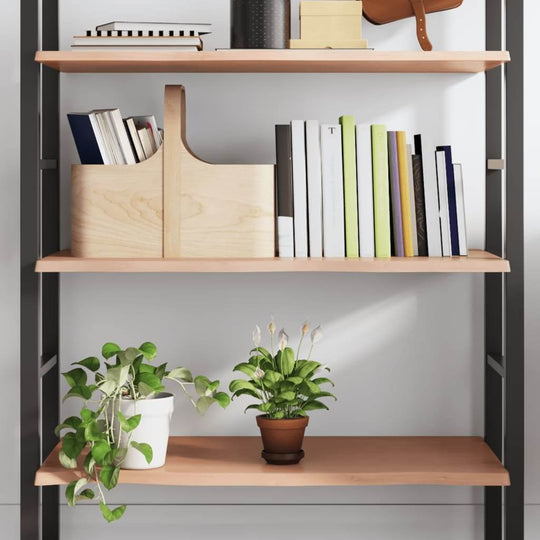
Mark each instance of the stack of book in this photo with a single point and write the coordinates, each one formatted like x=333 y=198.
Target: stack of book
x=143 y=36
x=103 y=138
x=346 y=190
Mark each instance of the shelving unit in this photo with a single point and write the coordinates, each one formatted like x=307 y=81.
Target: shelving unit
x=495 y=462
x=333 y=461
x=477 y=262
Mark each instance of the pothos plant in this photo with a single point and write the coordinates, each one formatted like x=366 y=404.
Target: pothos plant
x=285 y=384
x=129 y=375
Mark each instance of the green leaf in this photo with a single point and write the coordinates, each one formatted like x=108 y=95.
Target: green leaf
x=247 y=392
x=151 y=380
x=267 y=407
x=304 y=368
x=100 y=450
x=181 y=374
x=118 y=455
x=72 y=422
x=212 y=387
x=119 y=375
x=323 y=394
x=201 y=384
x=147 y=368
x=145 y=390
x=149 y=350
x=278 y=415
x=72 y=445
x=286 y=396
x=314 y=405
x=83 y=392
x=323 y=380
x=87 y=415
x=300 y=412
x=112 y=515
x=128 y=356
x=129 y=424
x=223 y=399
x=271 y=378
x=85 y=494
x=92 y=432
x=240 y=384
x=107 y=387
x=89 y=464
x=264 y=353
x=312 y=388
x=144 y=449
x=254 y=406
x=161 y=370
x=248 y=369
x=297 y=381
x=92 y=363
x=109 y=476
x=204 y=403
x=72 y=488
x=256 y=360
x=109 y=350
x=76 y=377
x=285 y=361
x=66 y=462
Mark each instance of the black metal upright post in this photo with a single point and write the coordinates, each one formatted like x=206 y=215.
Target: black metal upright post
x=40 y=225
x=514 y=282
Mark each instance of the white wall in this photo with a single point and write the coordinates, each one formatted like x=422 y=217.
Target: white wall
x=9 y=269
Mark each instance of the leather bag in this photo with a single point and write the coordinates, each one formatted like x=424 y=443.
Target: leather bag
x=386 y=11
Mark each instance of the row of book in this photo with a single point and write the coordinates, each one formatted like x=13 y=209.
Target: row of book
x=346 y=190
x=143 y=36
x=102 y=137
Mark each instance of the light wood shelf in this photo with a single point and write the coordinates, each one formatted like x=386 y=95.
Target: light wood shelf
x=476 y=262
x=329 y=461
x=273 y=61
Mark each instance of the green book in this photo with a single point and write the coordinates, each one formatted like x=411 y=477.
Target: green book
x=381 y=190
x=350 y=189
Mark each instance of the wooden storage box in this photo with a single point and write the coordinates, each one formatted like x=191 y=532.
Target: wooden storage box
x=330 y=24
x=173 y=205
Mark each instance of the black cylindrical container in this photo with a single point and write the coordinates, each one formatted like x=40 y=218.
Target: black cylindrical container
x=260 y=24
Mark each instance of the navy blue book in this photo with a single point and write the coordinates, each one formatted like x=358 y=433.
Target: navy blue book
x=452 y=206
x=85 y=139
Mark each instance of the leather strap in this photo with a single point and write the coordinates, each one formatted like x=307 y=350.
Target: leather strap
x=421 y=29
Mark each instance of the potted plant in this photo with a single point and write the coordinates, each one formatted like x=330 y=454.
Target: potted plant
x=286 y=387
x=124 y=422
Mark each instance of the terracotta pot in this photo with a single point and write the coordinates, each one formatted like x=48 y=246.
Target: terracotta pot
x=282 y=439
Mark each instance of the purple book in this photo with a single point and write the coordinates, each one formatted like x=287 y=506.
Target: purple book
x=393 y=166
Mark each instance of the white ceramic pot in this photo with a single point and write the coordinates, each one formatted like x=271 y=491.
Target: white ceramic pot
x=153 y=430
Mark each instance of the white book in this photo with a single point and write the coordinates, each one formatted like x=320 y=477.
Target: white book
x=412 y=199
x=103 y=149
x=285 y=229
x=146 y=142
x=460 y=206
x=314 y=185
x=444 y=214
x=94 y=41
x=332 y=189
x=109 y=137
x=299 y=188
x=122 y=136
x=133 y=48
x=135 y=139
x=365 y=191
x=200 y=28
x=149 y=121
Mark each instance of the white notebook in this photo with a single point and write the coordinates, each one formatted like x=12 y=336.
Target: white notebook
x=364 y=168
x=460 y=206
x=314 y=187
x=299 y=188
x=332 y=182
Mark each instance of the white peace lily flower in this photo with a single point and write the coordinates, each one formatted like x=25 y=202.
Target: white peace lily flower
x=316 y=335
x=283 y=339
x=259 y=373
x=256 y=336
x=305 y=328
x=272 y=326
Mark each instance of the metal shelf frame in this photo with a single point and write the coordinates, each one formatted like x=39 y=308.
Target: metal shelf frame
x=40 y=233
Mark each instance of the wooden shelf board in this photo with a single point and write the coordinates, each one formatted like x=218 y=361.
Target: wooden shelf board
x=273 y=61
x=329 y=461
x=476 y=262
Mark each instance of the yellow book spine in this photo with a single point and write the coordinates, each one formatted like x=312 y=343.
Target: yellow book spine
x=406 y=213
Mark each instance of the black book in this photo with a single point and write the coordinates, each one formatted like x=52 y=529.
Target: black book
x=419 y=197
x=284 y=192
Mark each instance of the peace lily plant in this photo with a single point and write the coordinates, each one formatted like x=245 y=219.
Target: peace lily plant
x=287 y=385
x=112 y=417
